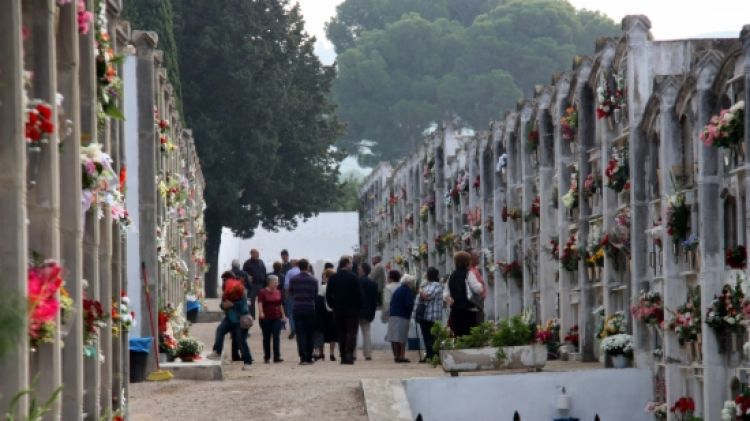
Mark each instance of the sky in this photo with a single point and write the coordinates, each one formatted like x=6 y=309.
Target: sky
x=670 y=19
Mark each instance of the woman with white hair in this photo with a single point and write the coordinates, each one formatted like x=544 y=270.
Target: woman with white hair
x=401 y=306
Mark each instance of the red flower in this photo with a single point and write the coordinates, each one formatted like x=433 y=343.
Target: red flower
x=601 y=113
x=163 y=124
x=683 y=406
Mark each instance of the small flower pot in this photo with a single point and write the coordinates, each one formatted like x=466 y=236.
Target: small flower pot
x=617 y=115
x=620 y=361
x=573 y=147
x=33 y=158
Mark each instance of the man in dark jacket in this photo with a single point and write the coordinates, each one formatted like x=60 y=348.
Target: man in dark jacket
x=344 y=296
x=257 y=271
x=304 y=288
x=369 y=304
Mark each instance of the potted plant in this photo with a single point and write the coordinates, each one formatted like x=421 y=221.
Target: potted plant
x=620 y=348
x=188 y=349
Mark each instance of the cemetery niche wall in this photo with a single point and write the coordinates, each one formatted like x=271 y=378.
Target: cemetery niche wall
x=98 y=175
x=612 y=205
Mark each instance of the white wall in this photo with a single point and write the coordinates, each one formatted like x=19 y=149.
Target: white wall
x=323 y=238
x=615 y=395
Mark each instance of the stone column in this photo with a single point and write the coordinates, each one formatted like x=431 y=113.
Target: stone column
x=526 y=182
x=145 y=43
x=71 y=223
x=547 y=222
x=43 y=199
x=586 y=139
x=711 y=248
x=515 y=291
x=88 y=102
x=639 y=85
x=499 y=237
x=14 y=367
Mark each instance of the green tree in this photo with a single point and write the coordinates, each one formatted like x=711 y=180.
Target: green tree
x=157 y=16
x=406 y=65
x=257 y=99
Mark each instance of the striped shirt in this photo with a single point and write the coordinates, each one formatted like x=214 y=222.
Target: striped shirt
x=303 y=288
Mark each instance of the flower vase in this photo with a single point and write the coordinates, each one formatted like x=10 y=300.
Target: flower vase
x=727 y=156
x=33 y=157
x=690 y=349
x=698 y=348
x=534 y=158
x=618 y=115
x=610 y=123
x=598 y=270
x=620 y=361
x=572 y=146
x=624 y=196
x=591 y=273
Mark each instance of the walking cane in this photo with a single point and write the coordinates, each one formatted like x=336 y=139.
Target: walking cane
x=158 y=375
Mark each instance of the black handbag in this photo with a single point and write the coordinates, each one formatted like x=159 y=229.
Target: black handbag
x=420 y=311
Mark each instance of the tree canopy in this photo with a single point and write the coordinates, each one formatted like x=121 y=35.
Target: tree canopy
x=258 y=101
x=404 y=65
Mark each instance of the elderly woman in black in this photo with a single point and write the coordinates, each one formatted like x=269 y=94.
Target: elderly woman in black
x=463 y=295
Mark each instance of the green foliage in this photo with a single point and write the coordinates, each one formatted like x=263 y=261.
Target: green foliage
x=36 y=411
x=442 y=340
x=348 y=199
x=188 y=347
x=513 y=332
x=406 y=64
x=12 y=315
x=479 y=336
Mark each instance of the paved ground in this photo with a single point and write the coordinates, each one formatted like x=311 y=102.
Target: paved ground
x=285 y=391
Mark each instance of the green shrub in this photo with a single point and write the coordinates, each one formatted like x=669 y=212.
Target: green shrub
x=513 y=332
x=188 y=347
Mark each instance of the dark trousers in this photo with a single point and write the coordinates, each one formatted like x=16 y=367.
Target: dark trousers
x=429 y=340
x=289 y=310
x=347 y=323
x=271 y=330
x=461 y=321
x=224 y=327
x=305 y=326
x=239 y=336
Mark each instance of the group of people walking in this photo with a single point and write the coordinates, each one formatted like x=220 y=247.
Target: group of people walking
x=344 y=302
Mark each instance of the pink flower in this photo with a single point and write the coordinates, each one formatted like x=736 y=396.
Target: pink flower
x=84 y=18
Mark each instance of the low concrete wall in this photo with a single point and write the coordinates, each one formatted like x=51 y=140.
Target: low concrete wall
x=612 y=394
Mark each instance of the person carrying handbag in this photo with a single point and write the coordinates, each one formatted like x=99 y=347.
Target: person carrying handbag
x=237 y=320
x=429 y=309
x=463 y=295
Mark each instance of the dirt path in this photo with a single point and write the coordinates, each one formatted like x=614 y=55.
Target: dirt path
x=285 y=391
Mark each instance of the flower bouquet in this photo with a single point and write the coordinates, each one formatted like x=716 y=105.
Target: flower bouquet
x=554 y=248
x=726 y=129
x=534 y=210
x=94 y=319
x=572 y=337
x=610 y=96
x=423 y=251
x=424 y=212
x=511 y=270
x=736 y=257
x=658 y=410
x=738 y=409
x=167 y=345
x=650 y=309
x=549 y=335
x=43 y=283
x=510 y=213
x=678 y=218
x=569 y=124
x=570 y=255
x=591 y=185
x=613 y=325
x=570 y=199
x=532 y=138
x=618 y=344
x=725 y=312
x=683 y=409
x=618 y=174
x=686 y=320
x=477 y=184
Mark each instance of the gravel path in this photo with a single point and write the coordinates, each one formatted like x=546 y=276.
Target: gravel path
x=285 y=391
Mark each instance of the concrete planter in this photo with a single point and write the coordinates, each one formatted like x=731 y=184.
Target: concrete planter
x=530 y=357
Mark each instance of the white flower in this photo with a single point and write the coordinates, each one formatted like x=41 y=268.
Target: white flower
x=740 y=105
x=125 y=300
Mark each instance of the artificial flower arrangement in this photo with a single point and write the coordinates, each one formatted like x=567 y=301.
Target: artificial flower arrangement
x=67 y=306
x=510 y=213
x=686 y=320
x=737 y=409
x=569 y=124
x=474 y=218
x=511 y=269
x=683 y=409
x=424 y=212
x=618 y=239
x=618 y=344
x=439 y=243
x=94 y=319
x=409 y=220
x=423 y=251
x=109 y=85
x=39 y=124
x=477 y=184
x=725 y=312
x=610 y=98
x=650 y=308
x=726 y=129
x=654 y=233
x=690 y=243
x=489 y=223
x=678 y=218
x=570 y=255
x=591 y=185
x=167 y=344
x=736 y=257
x=554 y=248
x=612 y=325
x=99 y=180
x=549 y=335
x=535 y=209
x=658 y=410
x=462 y=182
x=174 y=189
x=165 y=141
x=595 y=255
x=532 y=137
x=454 y=196
x=123 y=318
x=43 y=282
x=617 y=173
x=572 y=337
x=392 y=199
x=570 y=199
